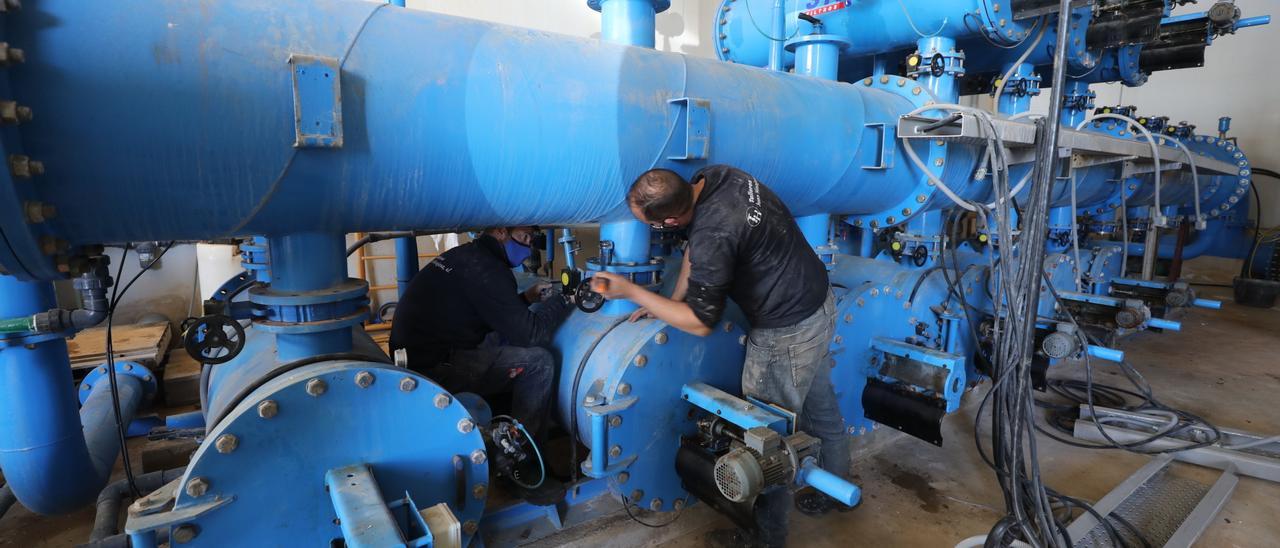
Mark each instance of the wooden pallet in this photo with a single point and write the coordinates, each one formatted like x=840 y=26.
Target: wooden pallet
x=181 y=379
x=146 y=344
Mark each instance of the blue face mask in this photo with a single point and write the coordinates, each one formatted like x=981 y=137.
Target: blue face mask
x=517 y=252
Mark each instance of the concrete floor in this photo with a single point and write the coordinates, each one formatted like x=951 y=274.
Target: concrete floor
x=1222 y=366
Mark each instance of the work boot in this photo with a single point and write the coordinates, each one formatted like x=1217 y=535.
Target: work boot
x=811 y=502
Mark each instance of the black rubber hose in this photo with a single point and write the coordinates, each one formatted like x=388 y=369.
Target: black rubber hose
x=376 y=237
x=573 y=400
x=1246 y=271
x=112 y=497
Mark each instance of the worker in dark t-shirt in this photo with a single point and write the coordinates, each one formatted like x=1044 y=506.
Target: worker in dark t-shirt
x=744 y=244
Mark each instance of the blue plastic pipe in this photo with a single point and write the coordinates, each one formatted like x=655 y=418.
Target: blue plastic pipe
x=1167 y=325
x=1104 y=353
x=1207 y=303
x=406 y=262
x=599 y=444
x=55 y=457
x=834 y=486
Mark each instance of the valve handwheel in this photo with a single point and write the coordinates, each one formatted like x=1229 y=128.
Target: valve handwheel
x=214 y=339
x=588 y=301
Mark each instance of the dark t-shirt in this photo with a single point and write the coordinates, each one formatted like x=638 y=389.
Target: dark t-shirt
x=744 y=244
x=462 y=296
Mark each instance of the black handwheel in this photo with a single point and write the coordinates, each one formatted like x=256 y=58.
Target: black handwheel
x=214 y=339
x=588 y=301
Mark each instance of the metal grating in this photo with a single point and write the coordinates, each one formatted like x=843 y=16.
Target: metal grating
x=1156 y=509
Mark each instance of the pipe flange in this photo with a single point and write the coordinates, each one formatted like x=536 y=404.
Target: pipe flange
x=298 y=312
x=659 y=6
x=132 y=369
x=818 y=39
x=935 y=158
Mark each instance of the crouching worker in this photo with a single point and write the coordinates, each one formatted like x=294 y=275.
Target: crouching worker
x=463 y=324
x=743 y=243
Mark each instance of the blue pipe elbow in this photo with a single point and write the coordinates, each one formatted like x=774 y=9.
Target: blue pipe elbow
x=1104 y=353
x=1167 y=325
x=834 y=486
x=1207 y=303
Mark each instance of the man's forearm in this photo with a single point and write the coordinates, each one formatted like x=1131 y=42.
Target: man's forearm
x=682 y=280
x=676 y=313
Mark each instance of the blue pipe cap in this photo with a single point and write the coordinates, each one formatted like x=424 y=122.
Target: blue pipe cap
x=1207 y=303
x=659 y=6
x=1167 y=325
x=834 y=486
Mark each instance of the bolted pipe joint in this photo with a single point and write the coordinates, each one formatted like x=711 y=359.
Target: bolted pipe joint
x=92 y=286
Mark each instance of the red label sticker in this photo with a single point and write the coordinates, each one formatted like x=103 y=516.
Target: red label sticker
x=827 y=6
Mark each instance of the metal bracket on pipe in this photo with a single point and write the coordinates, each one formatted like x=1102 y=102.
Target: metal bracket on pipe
x=691 y=132
x=317 y=101
x=1018 y=135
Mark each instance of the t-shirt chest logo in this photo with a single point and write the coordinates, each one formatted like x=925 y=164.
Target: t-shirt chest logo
x=754 y=214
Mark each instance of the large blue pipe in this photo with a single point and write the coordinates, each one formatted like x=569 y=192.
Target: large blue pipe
x=503 y=125
x=55 y=458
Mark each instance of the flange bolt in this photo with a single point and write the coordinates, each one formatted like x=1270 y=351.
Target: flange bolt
x=226 y=443
x=197 y=487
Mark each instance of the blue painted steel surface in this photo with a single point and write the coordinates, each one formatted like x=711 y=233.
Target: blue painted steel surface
x=362 y=513
x=393 y=426
x=463 y=139
x=635 y=373
x=733 y=409
x=871 y=27
x=834 y=486
x=56 y=457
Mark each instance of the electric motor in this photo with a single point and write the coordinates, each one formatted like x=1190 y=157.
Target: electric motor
x=763 y=459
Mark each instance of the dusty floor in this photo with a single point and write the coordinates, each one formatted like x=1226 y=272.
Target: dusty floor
x=1223 y=366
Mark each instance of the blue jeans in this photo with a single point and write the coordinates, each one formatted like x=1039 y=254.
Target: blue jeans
x=527 y=372
x=791 y=367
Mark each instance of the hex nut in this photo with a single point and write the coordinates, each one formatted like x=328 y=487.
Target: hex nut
x=660 y=338
x=477 y=457
x=615 y=451
x=470 y=527
x=408 y=384
x=442 y=400
x=316 y=387
x=226 y=443
x=197 y=487
x=184 y=534
x=364 y=379
x=655 y=504
x=268 y=409
x=615 y=421
x=479 y=491
x=624 y=389
x=466 y=426
x=641 y=360
x=678 y=504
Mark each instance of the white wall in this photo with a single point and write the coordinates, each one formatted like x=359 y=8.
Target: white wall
x=1240 y=79
x=679 y=28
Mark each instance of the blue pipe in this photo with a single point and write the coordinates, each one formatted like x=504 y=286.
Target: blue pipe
x=1206 y=303
x=599 y=445
x=1104 y=353
x=54 y=457
x=1167 y=325
x=834 y=486
x=629 y=22
x=1253 y=21
x=467 y=138
x=309 y=262
x=406 y=262
x=1204 y=241
x=778 y=34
